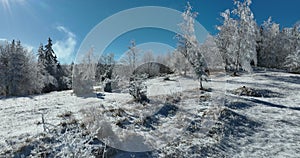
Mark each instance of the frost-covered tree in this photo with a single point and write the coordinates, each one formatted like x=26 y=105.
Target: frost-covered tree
x=147 y=57
x=46 y=77
x=50 y=59
x=132 y=57
x=20 y=69
x=267 y=49
x=276 y=45
x=138 y=88
x=293 y=61
x=48 y=66
x=188 y=45
x=164 y=59
x=4 y=60
x=104 y=71
x=180 y=63
x=56 y=76
x=212 y=54
x=237 y=37
x=84 y=73
x=227 y=40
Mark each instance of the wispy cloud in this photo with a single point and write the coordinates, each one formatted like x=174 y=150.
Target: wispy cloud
x=65 y=47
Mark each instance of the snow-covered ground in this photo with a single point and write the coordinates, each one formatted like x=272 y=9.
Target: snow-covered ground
x=250 y=127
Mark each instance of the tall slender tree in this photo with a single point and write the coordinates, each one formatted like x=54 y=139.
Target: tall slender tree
x=84 y=73
x=188 y=45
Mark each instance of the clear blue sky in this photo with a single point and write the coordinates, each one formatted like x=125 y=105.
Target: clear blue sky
x=68 y=22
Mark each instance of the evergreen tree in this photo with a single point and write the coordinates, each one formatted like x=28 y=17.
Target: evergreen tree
x=47 y=66
x=104 y=71
x=21 y=75
x=55 y=75
x=4 y=60
x=50 y=59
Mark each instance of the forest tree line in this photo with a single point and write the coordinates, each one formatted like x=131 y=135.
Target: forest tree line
x=240 y=42
x=24 y=73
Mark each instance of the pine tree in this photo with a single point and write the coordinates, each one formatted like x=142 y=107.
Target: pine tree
x=50 y=59
x=104 y=71
x=21 y=76
x=55 y=76
x=4 y=59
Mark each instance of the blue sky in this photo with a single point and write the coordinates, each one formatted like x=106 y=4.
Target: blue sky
x=68 y=22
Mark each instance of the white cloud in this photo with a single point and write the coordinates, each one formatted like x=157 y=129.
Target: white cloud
x=3 y=41
x=64 y=48
x=29 y=48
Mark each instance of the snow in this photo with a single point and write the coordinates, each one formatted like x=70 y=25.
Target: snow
x=20 y=116
x=267 y=127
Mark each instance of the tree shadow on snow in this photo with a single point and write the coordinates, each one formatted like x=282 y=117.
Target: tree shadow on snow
x=149 y=122
x=273 y=105
x=253 y=102
x=287 y=79
x=238 y=105
x=231 y=127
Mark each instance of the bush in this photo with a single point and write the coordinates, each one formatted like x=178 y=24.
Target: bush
x=138 y=89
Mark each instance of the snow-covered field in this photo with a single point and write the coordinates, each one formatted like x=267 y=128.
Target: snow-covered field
x=245 y=126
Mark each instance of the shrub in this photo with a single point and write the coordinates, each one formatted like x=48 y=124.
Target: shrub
x=138 y=89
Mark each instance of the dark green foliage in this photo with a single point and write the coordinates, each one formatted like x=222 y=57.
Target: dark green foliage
x=56 y=76
x=104 y=71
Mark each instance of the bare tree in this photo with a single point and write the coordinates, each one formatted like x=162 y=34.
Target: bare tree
x=148 y=56
x=131 y=58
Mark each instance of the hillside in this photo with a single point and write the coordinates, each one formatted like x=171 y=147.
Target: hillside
x=252 y=115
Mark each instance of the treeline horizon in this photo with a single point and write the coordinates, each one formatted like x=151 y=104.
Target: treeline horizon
x=241 y=43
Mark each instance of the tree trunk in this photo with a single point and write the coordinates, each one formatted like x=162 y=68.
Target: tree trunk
x=107 y=87
x=201 y=86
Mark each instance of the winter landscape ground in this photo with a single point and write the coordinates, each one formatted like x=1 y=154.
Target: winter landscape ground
x=264 y=124
x=149 y=80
